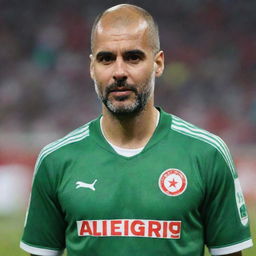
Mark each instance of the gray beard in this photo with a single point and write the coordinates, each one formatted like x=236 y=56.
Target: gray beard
x=134 y=108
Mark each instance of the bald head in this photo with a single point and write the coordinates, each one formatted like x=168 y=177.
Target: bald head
x=126 y=15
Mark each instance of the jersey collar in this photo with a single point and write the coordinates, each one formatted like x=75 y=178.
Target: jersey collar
x=160 y=132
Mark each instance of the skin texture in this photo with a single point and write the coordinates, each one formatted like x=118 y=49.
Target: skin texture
x=124 y=64
x=139 y=70
x=123 y=21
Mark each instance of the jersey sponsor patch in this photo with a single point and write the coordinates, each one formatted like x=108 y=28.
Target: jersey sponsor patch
x=241 y=203
x=173 y=182
x=130 y=228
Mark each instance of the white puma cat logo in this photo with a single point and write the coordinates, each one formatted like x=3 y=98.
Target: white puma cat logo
x=80 y=184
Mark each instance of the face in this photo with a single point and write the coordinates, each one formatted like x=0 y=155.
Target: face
x=123 y=67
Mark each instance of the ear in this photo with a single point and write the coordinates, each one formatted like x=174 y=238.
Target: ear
x=159 y=63
x=91 y=66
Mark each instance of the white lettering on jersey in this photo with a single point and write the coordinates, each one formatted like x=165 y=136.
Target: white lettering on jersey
x=80 y=184
x=130 y=228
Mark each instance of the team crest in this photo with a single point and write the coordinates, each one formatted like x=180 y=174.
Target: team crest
x=173 y=182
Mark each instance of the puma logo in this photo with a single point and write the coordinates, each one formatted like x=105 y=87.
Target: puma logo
x=80 y=184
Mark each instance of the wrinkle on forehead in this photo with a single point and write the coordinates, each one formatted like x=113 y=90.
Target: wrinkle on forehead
x=134 y=36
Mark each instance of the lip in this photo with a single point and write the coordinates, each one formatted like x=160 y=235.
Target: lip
x=120 y=89
x=121 y=92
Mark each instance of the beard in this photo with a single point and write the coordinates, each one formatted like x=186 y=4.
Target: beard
x=126 y=109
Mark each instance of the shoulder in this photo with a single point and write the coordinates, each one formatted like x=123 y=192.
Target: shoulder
x=65 y=146
x=189 y=130
x=201 y=140
x=196 y=134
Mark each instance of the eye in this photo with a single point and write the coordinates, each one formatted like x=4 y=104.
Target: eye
x=105 y=58
x=133 y=58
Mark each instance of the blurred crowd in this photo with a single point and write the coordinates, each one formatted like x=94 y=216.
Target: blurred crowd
x=209 y=79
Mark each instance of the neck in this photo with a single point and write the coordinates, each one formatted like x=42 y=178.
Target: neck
x=132 y=131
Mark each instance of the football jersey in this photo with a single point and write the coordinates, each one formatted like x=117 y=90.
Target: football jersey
x=179 y=193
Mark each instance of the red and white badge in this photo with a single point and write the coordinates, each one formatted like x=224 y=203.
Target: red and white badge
x=173 y=182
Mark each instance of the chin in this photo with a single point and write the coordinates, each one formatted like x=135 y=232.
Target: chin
x=124 y=109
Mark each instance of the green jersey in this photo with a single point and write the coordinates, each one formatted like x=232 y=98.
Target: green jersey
x=179 y=193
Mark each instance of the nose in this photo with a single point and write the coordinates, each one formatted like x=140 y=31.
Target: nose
x=120 y=72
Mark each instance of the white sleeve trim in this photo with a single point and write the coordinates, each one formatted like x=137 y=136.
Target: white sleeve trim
x=231 y=248
x=39 y=251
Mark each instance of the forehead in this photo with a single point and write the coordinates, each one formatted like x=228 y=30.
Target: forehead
x=119 y=37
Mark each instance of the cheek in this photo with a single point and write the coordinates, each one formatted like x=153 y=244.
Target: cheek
x=99 y=87
x=102 y=75
x=142 y=74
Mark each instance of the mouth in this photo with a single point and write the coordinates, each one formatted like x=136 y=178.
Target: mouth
x=120 y=89
x=121 y=92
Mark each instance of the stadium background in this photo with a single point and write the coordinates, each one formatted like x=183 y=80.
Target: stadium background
x=46 y=91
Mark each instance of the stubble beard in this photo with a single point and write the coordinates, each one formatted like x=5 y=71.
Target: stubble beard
x=135 y=107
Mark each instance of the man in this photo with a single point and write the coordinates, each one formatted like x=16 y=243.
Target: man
x=135 y=181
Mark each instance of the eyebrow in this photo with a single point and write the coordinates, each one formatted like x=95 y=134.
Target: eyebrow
x=104 y=53
x=135 y=52
x=130 y=52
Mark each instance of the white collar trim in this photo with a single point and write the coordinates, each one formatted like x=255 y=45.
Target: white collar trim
x=128 y=152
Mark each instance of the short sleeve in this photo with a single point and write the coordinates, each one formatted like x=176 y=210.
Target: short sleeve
x=224 y=211
x=44 y=231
